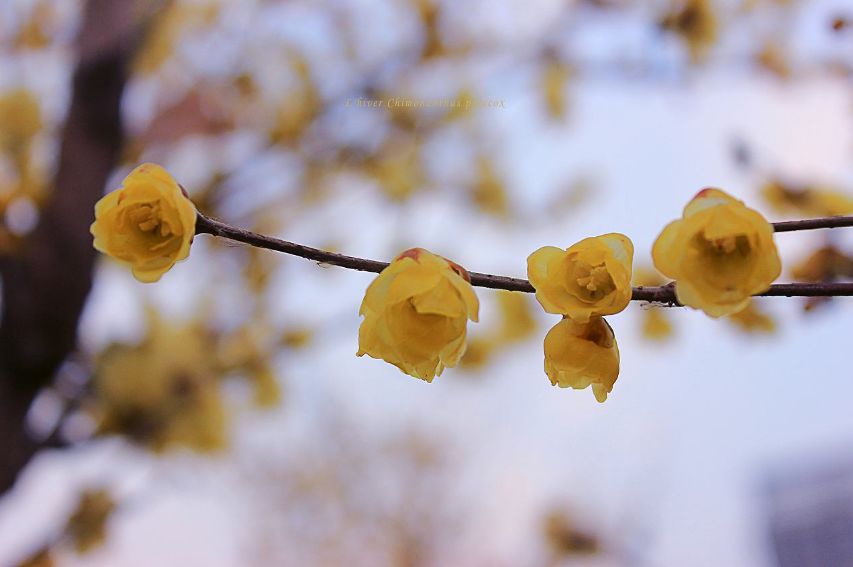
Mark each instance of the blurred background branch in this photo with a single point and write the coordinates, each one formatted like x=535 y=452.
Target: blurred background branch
x=45 y=285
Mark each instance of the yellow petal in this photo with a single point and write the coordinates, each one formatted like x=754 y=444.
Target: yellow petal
x=415 y=315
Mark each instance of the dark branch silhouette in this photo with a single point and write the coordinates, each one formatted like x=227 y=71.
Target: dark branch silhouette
x=659 y=294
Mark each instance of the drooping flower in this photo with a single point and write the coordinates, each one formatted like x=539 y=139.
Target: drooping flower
x=147 y=224
x=720 y=253
x=591 y=278
x=416 y=313
x=578 y=355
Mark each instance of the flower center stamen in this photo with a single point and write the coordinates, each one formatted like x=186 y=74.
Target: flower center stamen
x=726 y=246
x=595 y=280
x=148 y=219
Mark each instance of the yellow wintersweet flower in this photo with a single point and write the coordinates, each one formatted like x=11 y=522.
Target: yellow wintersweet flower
x=148 y=223
x=591 y=278
x=164 y=392
x=578 y=355
x=416 y=313
x=720 y=252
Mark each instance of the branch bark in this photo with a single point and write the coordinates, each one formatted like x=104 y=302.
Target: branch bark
x=659 y=294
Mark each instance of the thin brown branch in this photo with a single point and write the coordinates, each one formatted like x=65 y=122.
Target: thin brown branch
x=657 y=294
x=811 y=224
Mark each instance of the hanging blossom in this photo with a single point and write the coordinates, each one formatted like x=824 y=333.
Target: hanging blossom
x=416 y=313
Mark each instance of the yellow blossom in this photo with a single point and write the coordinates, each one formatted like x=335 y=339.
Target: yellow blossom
x=752 y=319
x=147 y=224
x=163 y=392
x=696 y=23
x=297 y=337
x=825 y=264
x=517 y=318
x=553 y=85
x=578 y=355
x=296 y=111
x=813 y=201
x=720 y=252
x=20 y=115
x=397 y=170
x=267 y=392
x=478 y=353
x=175 y=22
x=41 y=558
x=87 y=525
x=488 y=191
x=591 y=278
x=656 y=325
x=566 y=538
x=416 y=313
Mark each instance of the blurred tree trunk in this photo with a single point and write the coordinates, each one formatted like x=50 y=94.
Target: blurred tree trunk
x=45 y=285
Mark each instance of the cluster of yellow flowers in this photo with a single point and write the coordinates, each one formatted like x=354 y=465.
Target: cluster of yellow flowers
x=416 y=311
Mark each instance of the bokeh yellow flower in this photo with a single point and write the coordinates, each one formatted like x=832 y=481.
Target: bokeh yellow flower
x=20 y=115
x=656 y=324
x=164 y=392
x=87 y=525
x=752 y=319
x=591 y=278
x=696 y=23
x=416 y=313
x=807 y=200
x=147 y=224
x=578 y=355
x=720 y=253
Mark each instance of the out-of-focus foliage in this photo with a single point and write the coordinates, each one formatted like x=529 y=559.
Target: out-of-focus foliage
x=382 y=498
x=656 y=322
x=516 y=323
x=87 y=525
x=555 y=75
x=806 y=200
x=488 y=192
x=85 y=530
x=826 y=264
x=565 y=538
x=22 y=181
x=42 y=558
x=752 y=319
x=696 y=23
x=164 y=391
